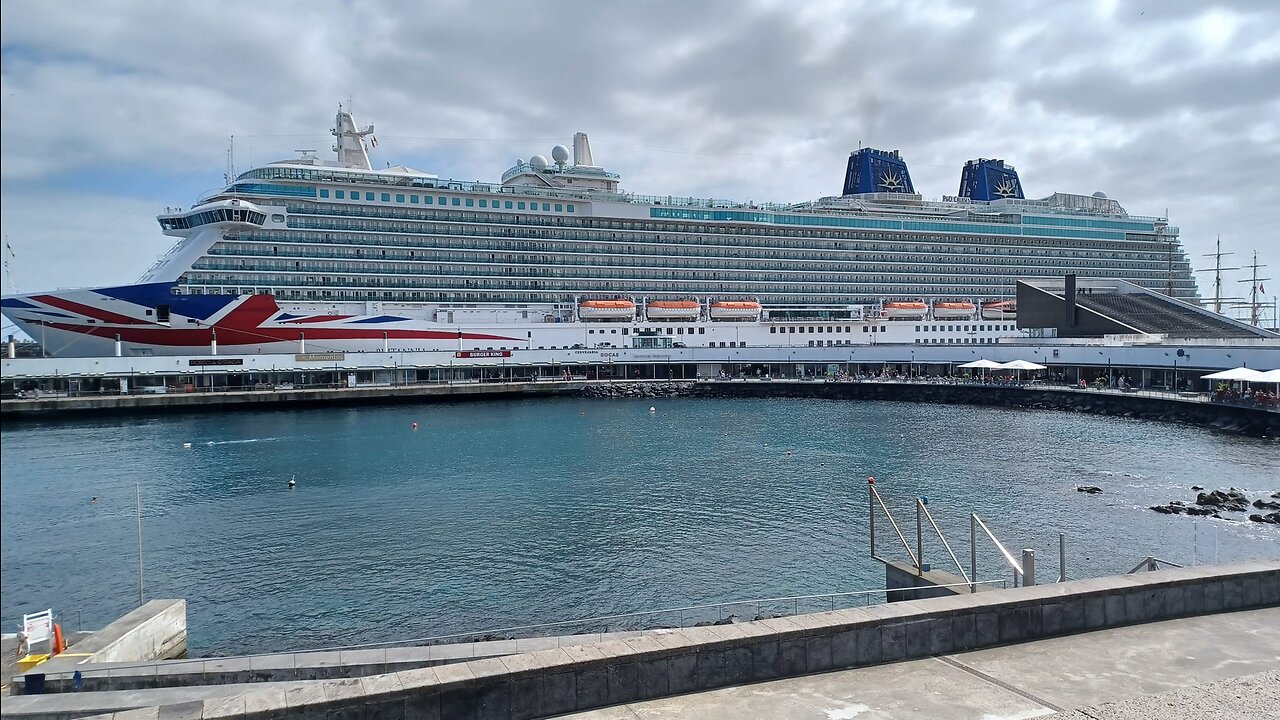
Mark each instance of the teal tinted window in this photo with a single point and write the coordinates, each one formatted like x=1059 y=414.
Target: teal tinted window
x=340 y=194
x=546 y=207
x=470 y=202
x=324 y=193
x=570 y=207
x=559 y=207
x=484 y=203
x=368 y=196
x=399 y=197
x=444 y=200
x=456 y=202
x=414 y=199
x=520 y=205
x=386 y=197
x=508 y=204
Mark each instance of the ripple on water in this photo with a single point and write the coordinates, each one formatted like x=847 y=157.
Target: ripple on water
x=498 y=514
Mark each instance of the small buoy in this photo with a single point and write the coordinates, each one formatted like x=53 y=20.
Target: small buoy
x=186 y=445
x=292 y=482
x=653 y=409
x=788 y=453
x=415 y=426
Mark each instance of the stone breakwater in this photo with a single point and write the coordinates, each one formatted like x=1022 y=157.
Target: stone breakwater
x=1216 y=502
x=1228 y=418
x=641 y=389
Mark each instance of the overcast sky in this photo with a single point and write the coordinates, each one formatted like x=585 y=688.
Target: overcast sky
x=114 y=110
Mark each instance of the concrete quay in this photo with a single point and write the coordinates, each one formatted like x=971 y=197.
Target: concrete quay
x=263 y=399
x=879 y=639
x=1211 y=662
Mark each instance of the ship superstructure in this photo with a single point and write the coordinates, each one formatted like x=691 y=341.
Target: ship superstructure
x=398 y=250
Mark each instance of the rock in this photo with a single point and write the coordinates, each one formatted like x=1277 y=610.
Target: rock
x=1091 y=489
x=1197 y=487
x=1232 y=500
x=1275 y=495
x=1272 y=518
x=728 y=621
x=1200 y=511
x=1266 y=504
x=1168 y=509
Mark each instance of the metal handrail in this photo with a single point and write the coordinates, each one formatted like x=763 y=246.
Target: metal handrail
x=974 y=523
x=433 y=639
x=871 y=485
x=1150 y=563
x=921 y=506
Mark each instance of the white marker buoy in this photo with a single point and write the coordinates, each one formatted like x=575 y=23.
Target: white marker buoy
x=292 y=482
x=653 y=409
x=186 y=445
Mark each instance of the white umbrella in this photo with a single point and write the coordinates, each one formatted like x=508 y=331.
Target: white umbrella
x=984 y=363
x=1021 y=365
x=1240 y=373
x=1271 y=376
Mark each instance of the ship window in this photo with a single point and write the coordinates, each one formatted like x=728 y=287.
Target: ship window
x=559 y=207
x=773 y=330
x=456 y=202
x=546 y=207
x=368 y=196
x=399 y=197
x=444 y=200
x=626 y=331
x=613 y=332
x=702 y=331
x=484 y=203
x=569 y=207
x=864 y=328
x=508 y=204
x=324 y=193
x=470 y=203
x=340 y=194
x=520 y=205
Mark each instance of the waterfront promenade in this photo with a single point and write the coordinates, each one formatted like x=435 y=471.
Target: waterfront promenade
x=1196 y=408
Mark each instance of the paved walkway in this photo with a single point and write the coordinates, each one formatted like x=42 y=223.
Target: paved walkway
x=1025 y=680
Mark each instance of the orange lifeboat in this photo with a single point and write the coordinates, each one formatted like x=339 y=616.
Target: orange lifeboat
x=1001 y=310
x=913 y=310
x=950 y=310
x=607 y=310
x=735 y=310
x=673 y=310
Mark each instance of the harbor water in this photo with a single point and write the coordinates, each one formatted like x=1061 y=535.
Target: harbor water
x=495 y=514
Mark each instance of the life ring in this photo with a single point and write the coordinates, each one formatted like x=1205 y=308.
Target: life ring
x=59 y=644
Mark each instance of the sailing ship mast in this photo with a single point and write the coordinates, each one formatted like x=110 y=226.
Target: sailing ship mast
x=1217 y=275
x=1253 y=281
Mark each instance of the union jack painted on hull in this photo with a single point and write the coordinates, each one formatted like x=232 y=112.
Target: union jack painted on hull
x=151 y=320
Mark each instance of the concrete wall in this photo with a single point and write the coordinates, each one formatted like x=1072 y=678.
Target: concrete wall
x=911 y=585
x=1233 y=418
x=695 y=659
x=152 y=631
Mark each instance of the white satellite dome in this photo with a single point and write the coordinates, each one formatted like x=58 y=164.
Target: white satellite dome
x=538 y=162
x=1100 y=195
x=560 y=154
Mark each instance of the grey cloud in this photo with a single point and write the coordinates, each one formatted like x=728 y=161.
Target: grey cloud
x=761 y=100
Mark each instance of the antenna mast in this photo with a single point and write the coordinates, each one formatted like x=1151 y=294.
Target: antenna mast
x=1217 y=274
x=1253 y=281
x=231 y=159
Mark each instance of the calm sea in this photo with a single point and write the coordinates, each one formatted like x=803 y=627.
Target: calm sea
x=504 y=513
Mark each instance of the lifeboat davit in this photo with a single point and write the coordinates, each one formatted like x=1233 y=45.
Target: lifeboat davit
x=672 y=310
x=1001 y=310
x=948 y=310
x=735 y=310
x=607 y=310
x=914 y=310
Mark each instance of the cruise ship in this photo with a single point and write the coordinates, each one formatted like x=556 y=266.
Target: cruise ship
x=319 y=255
